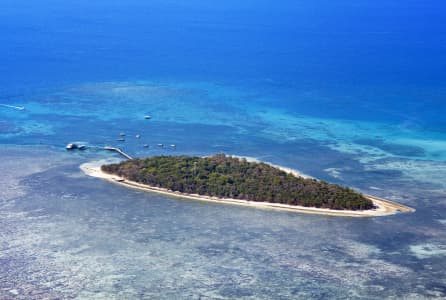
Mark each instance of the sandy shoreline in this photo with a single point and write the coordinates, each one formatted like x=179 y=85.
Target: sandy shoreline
x=285 y=169
x=384 y=207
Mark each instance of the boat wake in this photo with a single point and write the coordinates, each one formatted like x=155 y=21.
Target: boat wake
x=13 y=106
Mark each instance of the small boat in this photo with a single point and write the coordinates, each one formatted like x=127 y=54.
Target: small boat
x=160 y=145
x=146 y=145
x=138 y=136
x=121 y=140
x=122 y=134
x=173 y=146
x=71 y=146
x=147 y=117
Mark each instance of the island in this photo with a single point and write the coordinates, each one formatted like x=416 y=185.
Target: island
x=236 y=180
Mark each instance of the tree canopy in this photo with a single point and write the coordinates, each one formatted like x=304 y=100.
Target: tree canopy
x=229 y=177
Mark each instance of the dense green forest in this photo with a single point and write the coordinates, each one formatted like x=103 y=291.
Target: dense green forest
x=228 y=177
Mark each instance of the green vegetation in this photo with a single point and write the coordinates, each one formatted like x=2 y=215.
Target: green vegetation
x=228 y=177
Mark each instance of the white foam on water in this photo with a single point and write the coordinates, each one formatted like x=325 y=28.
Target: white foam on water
x=428 y=250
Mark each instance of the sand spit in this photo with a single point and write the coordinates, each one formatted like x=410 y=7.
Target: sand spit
x=383 y=207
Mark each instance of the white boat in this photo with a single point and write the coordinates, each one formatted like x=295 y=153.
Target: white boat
x=71 y=146
x=147 y=117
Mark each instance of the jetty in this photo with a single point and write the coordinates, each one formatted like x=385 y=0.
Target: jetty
x=119 y=151
x=73 y=146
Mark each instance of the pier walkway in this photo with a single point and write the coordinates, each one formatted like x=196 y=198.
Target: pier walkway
x=119 y=151
x=73 y=146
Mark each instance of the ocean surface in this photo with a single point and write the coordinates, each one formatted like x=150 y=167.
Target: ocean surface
x=352 y=92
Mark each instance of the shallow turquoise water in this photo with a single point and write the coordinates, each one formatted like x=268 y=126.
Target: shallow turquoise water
x=68 y=235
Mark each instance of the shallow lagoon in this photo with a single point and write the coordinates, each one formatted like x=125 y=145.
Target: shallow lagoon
x=68 y=235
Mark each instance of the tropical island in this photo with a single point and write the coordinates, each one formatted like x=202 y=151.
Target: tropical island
x=224 y=176
x=234 y=180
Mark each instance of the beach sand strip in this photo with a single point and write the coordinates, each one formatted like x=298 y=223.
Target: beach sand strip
x=383 y=207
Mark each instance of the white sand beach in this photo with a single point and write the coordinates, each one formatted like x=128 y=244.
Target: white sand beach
x=383 y=207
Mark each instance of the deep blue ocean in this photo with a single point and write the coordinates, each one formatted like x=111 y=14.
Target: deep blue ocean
x=351 y=92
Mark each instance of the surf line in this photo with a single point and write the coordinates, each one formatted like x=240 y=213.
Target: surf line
x=12 y=106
